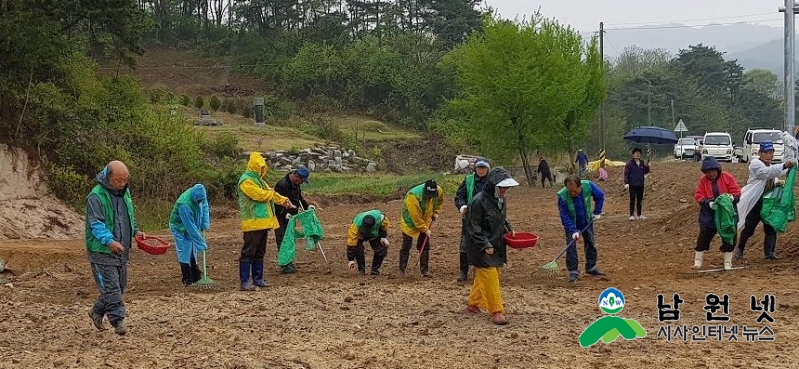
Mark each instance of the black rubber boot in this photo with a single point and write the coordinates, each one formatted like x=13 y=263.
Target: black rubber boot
x=464 y=266
x=377 y=261
x=424 y=265
x=186 y=277
x=769 y=246
x=403 y=260
x=196 y=274
x=361 y=260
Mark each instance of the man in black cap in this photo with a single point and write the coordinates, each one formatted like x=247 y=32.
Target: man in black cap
x=370 y=226
x=421 y=207
x=470 y=187
x=289 y=186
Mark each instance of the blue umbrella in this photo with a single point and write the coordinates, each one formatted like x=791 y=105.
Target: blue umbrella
x=651 y=135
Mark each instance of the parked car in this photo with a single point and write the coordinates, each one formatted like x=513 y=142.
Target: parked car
x=685 y=147
x=718 y=145
x=752 y=139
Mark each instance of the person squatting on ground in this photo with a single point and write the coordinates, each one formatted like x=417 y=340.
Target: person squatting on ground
x=487 y=224
x=634 y=180
x=257 y=214
x=711 y=190
x=372 y=227
x=544 y=172
x=471 y=186
x=190 y=217
x=421 y=207
x=763 y=177
x=289 y=186
x=574 y=205
x=602 y=173
x=110 y=229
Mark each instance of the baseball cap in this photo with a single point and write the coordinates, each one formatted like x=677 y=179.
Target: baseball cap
x=366 y=226
x=482 y=162
x=766 y=146
x=304 y=173
x=431 y=188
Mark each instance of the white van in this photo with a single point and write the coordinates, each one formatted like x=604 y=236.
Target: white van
x=754 y=137
x=718 y=145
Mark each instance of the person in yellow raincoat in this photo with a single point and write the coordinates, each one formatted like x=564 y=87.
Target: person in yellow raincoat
x=421 y=207
x=257 y=213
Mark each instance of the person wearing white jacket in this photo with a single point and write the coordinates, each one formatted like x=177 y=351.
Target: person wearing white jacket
x=763 y=176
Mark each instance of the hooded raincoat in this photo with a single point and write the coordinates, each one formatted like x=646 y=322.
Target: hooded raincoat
x=708 y=191
x=256 y=199
x=109 y=216
x=487 y=224
x=190 y=216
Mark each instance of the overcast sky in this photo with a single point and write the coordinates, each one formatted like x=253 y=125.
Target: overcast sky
x=585 y=15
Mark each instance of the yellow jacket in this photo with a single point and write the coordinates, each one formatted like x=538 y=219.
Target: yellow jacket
x=382 y=220
x=256 y=199
x=418 y=211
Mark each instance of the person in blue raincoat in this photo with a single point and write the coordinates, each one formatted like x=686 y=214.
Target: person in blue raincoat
x=190 y=216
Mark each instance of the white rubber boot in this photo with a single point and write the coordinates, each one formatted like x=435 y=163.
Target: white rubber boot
x=727 y=261
x=698 y=259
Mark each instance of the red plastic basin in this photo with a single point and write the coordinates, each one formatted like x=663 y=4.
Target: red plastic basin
x=523 y=240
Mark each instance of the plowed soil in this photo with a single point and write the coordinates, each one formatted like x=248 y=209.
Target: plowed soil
x=342 y=320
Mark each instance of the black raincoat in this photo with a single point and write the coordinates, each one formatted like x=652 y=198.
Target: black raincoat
x=487 y=223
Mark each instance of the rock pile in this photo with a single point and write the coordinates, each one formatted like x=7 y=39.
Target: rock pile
x=464 y=164
x=330 y=158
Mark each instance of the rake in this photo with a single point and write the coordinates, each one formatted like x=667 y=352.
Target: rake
x=424 y=244
x=551 y=268
x=205 y=282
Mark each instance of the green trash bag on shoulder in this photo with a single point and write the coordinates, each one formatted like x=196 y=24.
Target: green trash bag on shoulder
x=310 y=229
x=779 y=204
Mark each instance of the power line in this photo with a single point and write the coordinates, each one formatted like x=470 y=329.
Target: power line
x=689 y=26
x=612 y=45
x=692 y=20
x=198 y=66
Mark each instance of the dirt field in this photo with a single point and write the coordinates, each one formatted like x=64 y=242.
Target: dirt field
x=342 y=320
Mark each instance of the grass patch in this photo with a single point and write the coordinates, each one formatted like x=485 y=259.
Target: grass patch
x=368 y=129
x=153 y=215
x=299 y=133
x=253 y=138
x=375 y=184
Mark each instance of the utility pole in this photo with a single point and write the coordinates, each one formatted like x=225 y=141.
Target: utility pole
x=672 y=111
x=649 y=105
x=790 y=55
x=602 y=60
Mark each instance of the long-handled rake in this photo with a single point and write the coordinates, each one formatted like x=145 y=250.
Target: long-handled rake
x=205 y=282
x=551 y=268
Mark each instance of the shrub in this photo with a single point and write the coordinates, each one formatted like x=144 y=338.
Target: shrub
x=214 y=103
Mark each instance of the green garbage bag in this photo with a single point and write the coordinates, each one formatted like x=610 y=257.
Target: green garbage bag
x=779 y=204
x=311 y=230
x=724 y=218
